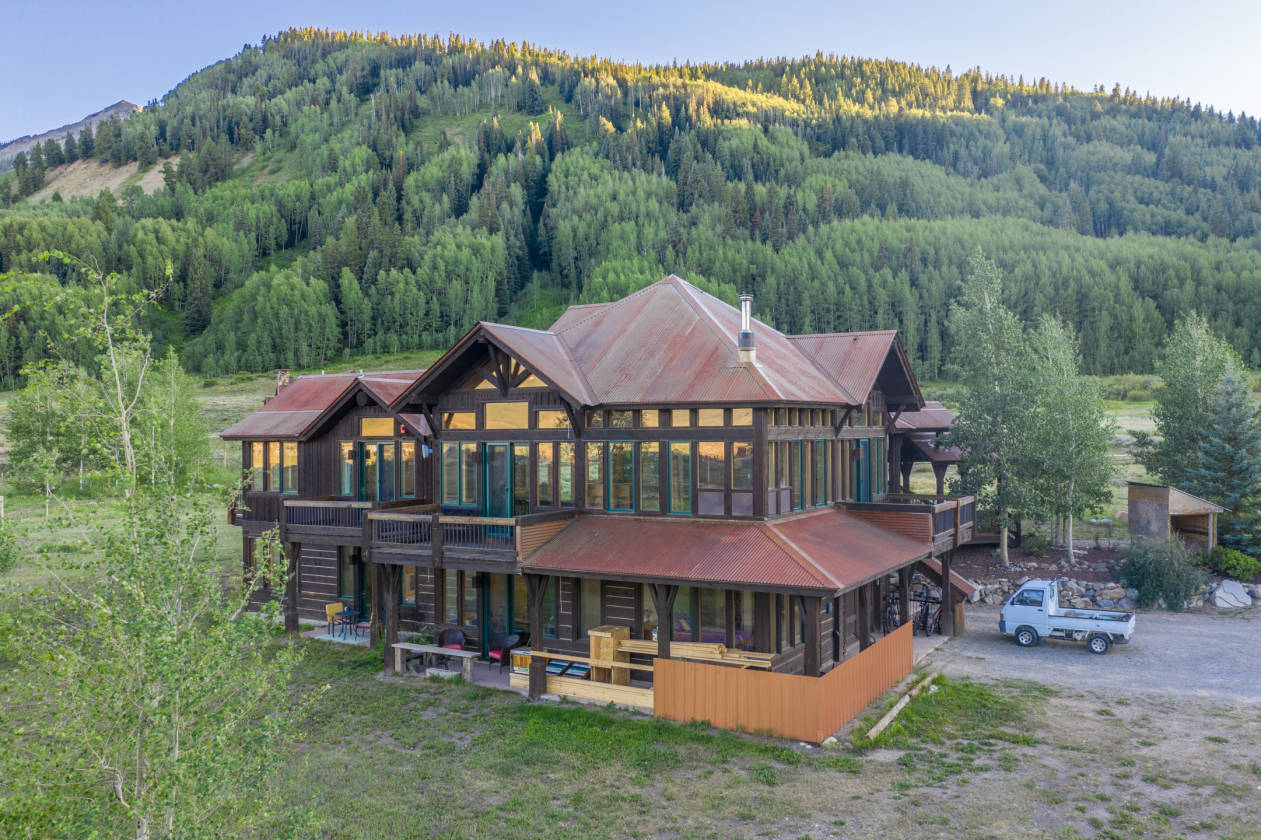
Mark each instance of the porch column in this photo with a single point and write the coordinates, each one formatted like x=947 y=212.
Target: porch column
x=863 y=627
x=904 y=593
x=947 y=597
x=838 y=629
x=663 y=595
x=375 y=630
x=939 y=471
x=893 y=462
x=391 y=578
x=810 y=610
x=292 y=550
x=536 y=588
x=907 y=466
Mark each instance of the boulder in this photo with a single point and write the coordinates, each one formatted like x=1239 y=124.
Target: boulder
x=1104 y=603
x=1230 y=594
x=1132 y=594
x=1126 y=603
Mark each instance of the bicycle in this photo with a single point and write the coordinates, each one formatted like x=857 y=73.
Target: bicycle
x=892 y=614
x=927 y=619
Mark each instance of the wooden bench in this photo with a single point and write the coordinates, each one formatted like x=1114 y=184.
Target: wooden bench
x=402 y=649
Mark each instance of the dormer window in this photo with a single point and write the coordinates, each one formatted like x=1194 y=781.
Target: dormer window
x=506 y=415
x=376 y=427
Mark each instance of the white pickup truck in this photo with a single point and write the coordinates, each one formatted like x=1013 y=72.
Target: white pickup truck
x=1033 y=612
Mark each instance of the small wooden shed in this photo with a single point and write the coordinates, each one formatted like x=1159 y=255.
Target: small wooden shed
x=1159 y=511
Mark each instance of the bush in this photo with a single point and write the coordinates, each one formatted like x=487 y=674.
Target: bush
x=1161 y=571
x=1232 y=563
x=1035 y=543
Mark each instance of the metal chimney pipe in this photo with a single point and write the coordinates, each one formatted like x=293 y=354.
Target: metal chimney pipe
x=744 y=342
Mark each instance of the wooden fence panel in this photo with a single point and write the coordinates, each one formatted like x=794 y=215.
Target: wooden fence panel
x=784 y=705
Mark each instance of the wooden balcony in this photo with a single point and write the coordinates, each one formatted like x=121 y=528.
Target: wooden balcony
x=423 y=534
x=945 y=521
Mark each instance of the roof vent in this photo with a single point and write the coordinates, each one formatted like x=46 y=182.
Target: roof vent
x=744 y=342
x=361 y=373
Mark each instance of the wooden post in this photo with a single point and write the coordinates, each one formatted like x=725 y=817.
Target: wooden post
x=864 y=616
x=663 y=596
x=375 y=629
x=810 y=609
x=939 y=472
x=292 y=550
x=947 y=597
x=907 y=467
x=536 y=589
x=838 y=629
x=904 y=594
x=391 y=578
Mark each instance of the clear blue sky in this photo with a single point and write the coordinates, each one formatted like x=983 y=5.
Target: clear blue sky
x=62 y=61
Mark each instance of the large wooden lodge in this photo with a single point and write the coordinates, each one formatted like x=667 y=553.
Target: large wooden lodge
x=663 y=465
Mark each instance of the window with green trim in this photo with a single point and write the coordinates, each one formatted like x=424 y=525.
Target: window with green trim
x=595 y=475
x=680 y=470
x=621 y=476
x=650 y=477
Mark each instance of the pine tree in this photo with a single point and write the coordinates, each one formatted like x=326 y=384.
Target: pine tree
x=1228 y=469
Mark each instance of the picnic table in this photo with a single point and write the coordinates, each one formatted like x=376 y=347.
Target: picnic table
x=407 y=650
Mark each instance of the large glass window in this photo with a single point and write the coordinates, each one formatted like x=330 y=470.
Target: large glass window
x=648 y=616
x=742 y=417
x=711 y=477
x=369 y=466
x=713 y=615
x=551 y=608
x=345 y=574
x=565 y=472
x=742 y=620
x=387 y=477
x=470 y=598
x=506 y=415
x=595 y=475
x=459 y=420
x=796 y=474
x=450 y=473
x=680 y=469
x=589 y=605
x=346 y=468
x=451 y=596
x=549 y=419
x=257 y=475
x=621 y=419
x=820 y=472
x=407 y=596
x=621 y=476
x=470 y=463
x=709 y=417
x=520 y=479
x=649 y=418
x=520 y=604
x=742 y=478
x=680 y=417
x=543 y=482
x=275 y=480
x=376 y=427
x=407 y=469
x=650 y=477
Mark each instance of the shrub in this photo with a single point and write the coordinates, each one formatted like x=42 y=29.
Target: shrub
x=1161 y=570
x=1233 y=563
x=1036 y=543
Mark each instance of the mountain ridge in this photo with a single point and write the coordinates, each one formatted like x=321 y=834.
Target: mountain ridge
x=123 y=108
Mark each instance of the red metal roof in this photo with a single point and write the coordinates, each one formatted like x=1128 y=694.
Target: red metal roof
x=828 y=551
x=301 y=404
x=933 y=417
x=926 y=446
x=852 y=359
x=672 y=343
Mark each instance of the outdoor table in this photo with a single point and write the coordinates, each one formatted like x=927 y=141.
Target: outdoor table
x=346 y=618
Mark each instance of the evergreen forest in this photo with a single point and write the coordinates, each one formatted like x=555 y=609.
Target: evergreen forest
x=328 y=194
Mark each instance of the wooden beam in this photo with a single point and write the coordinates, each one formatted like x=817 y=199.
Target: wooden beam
x=663 y=596
x=844 y=419
x=536 y=590
x=947 y=596
x=391 y=578
x=864 y=616
x=904 y=593
x=810 y=610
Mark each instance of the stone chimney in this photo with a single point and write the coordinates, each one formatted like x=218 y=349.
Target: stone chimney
x=282 y=379
x=744 y=342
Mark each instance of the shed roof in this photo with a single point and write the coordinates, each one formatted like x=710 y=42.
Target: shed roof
x=1181 y=502
x=825 y=551
x=933 y=417
x=925 y=446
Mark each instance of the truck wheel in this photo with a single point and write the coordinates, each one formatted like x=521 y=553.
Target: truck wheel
x=1026 y=636
x=1099 y=643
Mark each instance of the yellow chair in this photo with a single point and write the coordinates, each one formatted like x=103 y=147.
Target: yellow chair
x=330 y=613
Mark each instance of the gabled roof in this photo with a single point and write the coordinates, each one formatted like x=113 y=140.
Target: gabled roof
x=824 y=551
x=857 y=361
x=299 y=408
x=1181 y=502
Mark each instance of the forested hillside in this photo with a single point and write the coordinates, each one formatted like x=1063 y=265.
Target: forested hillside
x=330 y=193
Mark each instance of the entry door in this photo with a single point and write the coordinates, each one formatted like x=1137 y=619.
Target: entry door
x=862 y=475
x=496 y=609
x=376 y=472
x=497 y=470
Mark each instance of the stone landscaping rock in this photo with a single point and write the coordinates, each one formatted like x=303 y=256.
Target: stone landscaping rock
x=1126 y=603
x=1230 y=594
x=1132 y=594
x=1104 y=603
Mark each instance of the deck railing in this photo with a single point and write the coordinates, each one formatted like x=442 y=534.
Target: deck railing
x=952 y=517
x=319 y=513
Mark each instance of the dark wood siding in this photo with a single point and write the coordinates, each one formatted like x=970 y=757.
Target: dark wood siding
x=317 y=580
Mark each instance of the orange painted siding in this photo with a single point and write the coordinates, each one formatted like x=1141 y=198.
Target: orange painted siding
x=917 y=526
x=784 y=705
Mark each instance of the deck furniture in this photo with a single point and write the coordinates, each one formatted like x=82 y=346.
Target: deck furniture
x=451 y=638
x=346 y=619
x=330 y=614
x=406 y=650
x=503 y=653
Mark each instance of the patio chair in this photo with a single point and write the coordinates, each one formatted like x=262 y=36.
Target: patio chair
x=330 y=613
x=452 y=638
x=503 y=653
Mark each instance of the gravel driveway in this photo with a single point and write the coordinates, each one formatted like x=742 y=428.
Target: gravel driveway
x=1192 y=655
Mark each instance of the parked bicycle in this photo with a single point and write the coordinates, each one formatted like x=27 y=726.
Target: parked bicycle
x=892 y=613
x=928 y=614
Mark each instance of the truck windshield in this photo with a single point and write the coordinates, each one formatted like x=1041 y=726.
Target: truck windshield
x=1028 y=598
